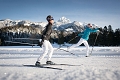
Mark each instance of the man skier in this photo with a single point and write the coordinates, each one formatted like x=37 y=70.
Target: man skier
x=85 y=36
x=45 y=44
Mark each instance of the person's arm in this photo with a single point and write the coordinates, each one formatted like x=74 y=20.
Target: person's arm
x=93 y=30
x=80 y=34
x=48 y=30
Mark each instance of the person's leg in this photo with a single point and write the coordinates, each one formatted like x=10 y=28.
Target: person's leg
x=50 y=51
x=87 y=47
x=45 y=51
x=75 y=45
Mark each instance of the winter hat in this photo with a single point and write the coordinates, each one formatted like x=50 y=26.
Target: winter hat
x=49 y=17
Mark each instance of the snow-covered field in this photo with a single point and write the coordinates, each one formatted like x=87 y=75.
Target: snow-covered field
x=16 y=61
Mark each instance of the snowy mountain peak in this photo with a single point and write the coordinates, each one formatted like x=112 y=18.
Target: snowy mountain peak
x=64 y=20
x=62 y=24
x=77 y=23
x=6 y=20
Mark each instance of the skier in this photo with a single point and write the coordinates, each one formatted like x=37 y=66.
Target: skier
x=45 y=44
x=85 y=36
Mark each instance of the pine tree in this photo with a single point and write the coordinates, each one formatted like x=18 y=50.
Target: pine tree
x=105 y=36
x=117 y=37
x=110 y=36
x=100 y=40
x=61 y=38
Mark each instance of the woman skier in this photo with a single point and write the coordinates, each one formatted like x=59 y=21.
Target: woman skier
x=85 y=36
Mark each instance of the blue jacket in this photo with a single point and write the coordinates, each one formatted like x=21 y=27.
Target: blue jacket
x=86 y=33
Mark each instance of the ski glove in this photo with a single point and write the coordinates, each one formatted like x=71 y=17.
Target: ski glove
x=41 y=43
x=80 y=34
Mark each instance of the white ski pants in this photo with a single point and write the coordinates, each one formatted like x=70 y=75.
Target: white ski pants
x=47 y=49
x=79 y=43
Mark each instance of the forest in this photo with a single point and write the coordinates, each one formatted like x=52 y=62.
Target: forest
x=28 y=35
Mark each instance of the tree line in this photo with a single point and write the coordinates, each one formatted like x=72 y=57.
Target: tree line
x=30 y=34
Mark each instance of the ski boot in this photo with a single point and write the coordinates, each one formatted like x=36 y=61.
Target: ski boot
x=50 y=63
x=37 y=63
x=87 y=56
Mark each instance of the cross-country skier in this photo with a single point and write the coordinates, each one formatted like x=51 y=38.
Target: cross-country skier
x=85 y=36
x=45 y=44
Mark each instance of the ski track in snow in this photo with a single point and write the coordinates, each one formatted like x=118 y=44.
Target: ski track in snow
x=104 y=64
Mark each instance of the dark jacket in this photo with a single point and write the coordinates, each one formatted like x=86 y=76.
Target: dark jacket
x=47 y=32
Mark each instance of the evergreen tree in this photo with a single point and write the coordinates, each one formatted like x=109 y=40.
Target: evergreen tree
x=92 y=39
x=61 y=38
x=110 y=36
x=100 y=38
x=117 y=37
x=105 y=36
x=110 y=28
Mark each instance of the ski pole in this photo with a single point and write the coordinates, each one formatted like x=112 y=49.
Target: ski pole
x=94 y=43
x=69 y=52
x=73 y=38
x=68 y=42
x=68 y=46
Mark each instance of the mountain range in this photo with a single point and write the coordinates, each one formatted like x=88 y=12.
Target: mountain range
x=62 y=24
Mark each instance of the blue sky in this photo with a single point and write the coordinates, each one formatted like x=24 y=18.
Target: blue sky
x=100 y=12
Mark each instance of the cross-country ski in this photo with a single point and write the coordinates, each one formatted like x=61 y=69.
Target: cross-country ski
x=43 y=66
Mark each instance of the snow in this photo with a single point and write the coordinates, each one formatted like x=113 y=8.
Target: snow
x=64 y=20
x=104 y=64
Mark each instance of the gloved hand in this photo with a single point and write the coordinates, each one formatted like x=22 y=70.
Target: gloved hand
x=41 y=42
x=98 y=31
x=79 y=35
